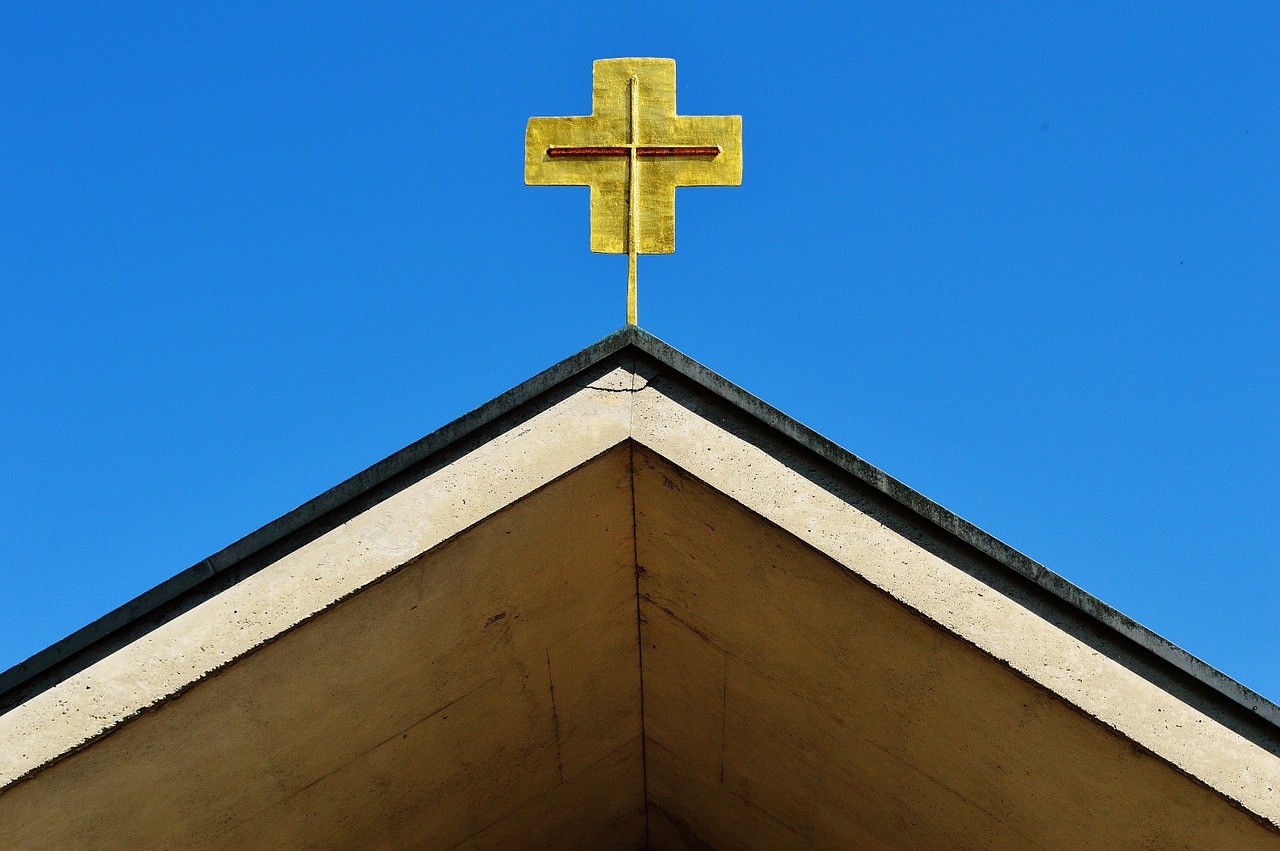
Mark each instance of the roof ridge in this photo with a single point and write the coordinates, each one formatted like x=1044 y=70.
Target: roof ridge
x=24 y=679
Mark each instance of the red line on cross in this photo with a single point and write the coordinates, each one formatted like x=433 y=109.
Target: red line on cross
x=641 y=151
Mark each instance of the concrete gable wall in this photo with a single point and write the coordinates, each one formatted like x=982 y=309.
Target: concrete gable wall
x=791 y=704
x=486 y=694
x=724 y=670
x=944 y=581
x=511 y=460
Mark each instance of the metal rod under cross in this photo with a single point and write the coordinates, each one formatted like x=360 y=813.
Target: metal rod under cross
x=633 y=205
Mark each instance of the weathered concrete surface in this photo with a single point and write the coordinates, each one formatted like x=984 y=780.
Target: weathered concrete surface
x=458 y=665
x=943 y=581
x=307 y=580
x=789 y=703
x=487 y=690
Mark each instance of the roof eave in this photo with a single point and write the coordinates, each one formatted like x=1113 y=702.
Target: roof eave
x=77 y=650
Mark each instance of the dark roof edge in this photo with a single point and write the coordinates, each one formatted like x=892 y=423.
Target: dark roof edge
x=171 y=589
x=103 y=628
x=1073 y=595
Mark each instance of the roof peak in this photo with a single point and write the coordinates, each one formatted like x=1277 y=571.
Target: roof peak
x=97 y=639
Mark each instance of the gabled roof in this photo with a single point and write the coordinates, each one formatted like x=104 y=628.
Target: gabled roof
x=688 y=444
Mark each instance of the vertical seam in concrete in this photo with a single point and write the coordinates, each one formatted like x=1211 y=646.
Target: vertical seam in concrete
x=555 y=717
x=635 y=559
x=724 y=711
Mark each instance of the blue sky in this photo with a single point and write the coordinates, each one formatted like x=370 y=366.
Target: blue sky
x=1021 y=256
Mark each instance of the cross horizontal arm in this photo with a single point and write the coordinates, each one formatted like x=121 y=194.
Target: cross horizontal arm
x=555 y=151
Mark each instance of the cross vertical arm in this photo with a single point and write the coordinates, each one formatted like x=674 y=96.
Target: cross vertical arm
x=633 y=202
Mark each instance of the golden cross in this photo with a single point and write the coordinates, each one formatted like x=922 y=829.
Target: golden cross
x=633 y=119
